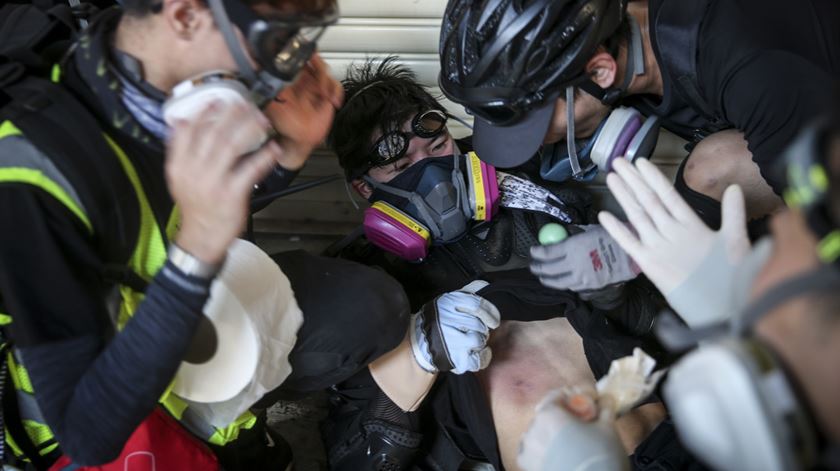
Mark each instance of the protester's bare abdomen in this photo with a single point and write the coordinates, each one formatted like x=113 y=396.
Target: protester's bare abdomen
x=531 y=358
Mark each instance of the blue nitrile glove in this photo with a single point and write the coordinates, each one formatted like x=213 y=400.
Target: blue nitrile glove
x=450 y=333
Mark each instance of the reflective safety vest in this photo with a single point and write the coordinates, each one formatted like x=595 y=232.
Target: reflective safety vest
x=22 y=163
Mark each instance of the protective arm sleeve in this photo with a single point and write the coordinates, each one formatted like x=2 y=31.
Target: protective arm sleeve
x=278 y=180
x=93 y=393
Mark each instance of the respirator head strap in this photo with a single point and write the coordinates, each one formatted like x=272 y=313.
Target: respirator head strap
x=570 y=132
x=635 y=66
x=224 y=24
x=825 y=278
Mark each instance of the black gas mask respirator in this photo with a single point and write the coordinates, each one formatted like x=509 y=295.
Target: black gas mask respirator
x=280 y=48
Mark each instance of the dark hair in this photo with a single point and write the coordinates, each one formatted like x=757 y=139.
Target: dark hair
x=381 y=94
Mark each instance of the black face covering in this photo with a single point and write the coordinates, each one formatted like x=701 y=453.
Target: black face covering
x=433 y=191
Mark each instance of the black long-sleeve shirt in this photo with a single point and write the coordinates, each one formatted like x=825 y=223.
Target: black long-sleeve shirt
x=768 y=67
x=93 y=387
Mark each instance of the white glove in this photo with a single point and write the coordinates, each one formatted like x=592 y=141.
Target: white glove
x=450 y=333
x=586 y=261
x=561 y=440
x=691 y=265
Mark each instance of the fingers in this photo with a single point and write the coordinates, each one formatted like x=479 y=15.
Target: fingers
x=733 y=212
x=256 y=166
x=237 y=129
x=622 y=234
x=636 y=215
x=548 y=253
x=180 y=138
x=552 y=269
x=666 y=191
x=583 y=405
x=645 y=195
x=485 y=356
x=479 y=319
x=330 y=88
x=474 y=286
x=489 y=314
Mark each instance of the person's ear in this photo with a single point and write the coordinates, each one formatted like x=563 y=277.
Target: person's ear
x=184 y=17
x=362 y=188
x=602 y=69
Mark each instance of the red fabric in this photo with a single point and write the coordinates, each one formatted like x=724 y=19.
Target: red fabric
x=158 y=444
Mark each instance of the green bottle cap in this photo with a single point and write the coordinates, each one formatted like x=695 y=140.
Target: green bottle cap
x=552 y=233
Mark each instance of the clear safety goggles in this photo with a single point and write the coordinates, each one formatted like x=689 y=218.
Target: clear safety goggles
x=281 y=45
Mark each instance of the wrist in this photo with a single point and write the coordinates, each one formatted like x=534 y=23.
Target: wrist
x=201 y=244
x=420 y=345
x=294 y=155
x=194 y=265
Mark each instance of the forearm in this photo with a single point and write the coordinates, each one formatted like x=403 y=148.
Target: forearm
x=93 y=397
x=400 y=377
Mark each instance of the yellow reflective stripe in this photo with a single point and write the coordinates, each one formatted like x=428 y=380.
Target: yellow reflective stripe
x=174 y=404
x=174 y=223
x=37 y=178
x=829 y=248
x=5 y=319
x=150 y=252
x=231 y=432
x=33 y=429
x=402 y=218
x=55 y=73
x=478 y=187
x=20 y=378
x=11 y=442
x=8 y=129
x=818 y=177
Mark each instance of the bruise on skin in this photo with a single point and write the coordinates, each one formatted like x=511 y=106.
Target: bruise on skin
x=529 y=359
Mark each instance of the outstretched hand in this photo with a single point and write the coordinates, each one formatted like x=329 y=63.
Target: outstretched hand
x=670 y=241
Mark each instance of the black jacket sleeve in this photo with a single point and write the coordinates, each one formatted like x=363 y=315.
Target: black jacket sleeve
x=93 y=391
x=278 y=180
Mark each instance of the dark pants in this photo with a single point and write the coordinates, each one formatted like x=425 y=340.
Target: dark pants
x=352 y=314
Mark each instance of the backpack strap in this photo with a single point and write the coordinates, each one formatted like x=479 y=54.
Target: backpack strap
x=677 y=27
x=57 y=124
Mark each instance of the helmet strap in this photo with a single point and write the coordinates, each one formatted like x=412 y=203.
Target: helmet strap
x=635 y=66
x=570 y=131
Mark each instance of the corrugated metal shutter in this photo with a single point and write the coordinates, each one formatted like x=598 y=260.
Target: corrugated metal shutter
x=369 y=29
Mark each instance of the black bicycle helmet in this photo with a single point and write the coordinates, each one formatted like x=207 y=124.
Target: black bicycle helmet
x=507 y=62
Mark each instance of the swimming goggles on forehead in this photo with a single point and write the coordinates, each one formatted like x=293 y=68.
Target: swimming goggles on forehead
x=393 y=145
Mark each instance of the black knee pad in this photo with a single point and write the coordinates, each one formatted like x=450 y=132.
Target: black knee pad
x=367 y=431
x=379 y=446
x=706 y=207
